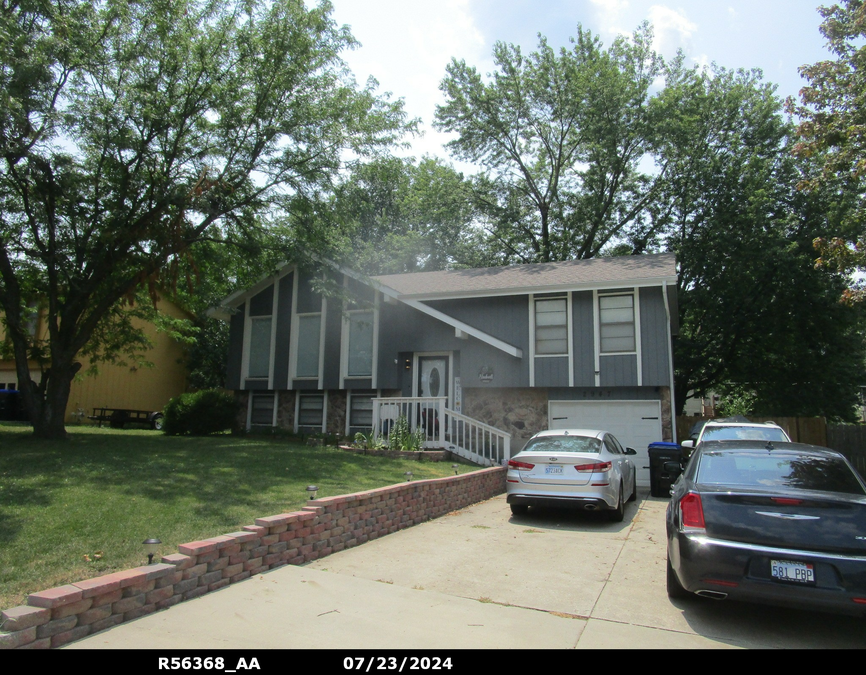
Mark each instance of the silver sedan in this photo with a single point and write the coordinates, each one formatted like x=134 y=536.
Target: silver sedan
x=582 y=468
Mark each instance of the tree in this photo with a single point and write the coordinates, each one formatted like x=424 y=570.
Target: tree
x=831 y=131
x=560 y=139
x=399 y=215
x=131 y=131
x=758 y=319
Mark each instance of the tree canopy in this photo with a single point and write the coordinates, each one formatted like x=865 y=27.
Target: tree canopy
x=130 y=131
x=560 y=137
x=832 y=131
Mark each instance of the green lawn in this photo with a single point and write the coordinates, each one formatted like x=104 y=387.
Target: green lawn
x=101 y=493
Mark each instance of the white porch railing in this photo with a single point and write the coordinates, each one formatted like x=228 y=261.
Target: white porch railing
x=443 y=428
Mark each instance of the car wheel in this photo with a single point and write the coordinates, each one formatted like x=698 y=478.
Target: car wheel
x=619 y=512
x=633 y=489
x=157 y=422
x=675 y=588
x=519 y=509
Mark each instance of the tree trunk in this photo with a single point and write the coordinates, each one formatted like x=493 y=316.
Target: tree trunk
x=47 y=404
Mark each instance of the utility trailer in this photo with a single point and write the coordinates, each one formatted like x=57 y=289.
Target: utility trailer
x=118 y=418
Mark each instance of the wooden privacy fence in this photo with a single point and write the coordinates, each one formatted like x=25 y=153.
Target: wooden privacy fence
x=849 y=439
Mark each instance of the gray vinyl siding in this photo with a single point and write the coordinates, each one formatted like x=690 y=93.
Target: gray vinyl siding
x=333 y=333
x=256 y=385
x=236 y=348
x=284 y=333
x=359 y=383
x=618 y=371
x=584 y=339
x=654 y=338
x=262 y=304
x=305 y=385
x=551 y=371
x=404 y=331
x=603 y=393
x=506 y=318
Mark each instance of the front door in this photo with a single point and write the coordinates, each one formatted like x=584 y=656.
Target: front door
x=432 y=376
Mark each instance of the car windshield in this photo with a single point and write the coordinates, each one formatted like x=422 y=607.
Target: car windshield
x=564 y=444
x=732 y=433
x=804 y=472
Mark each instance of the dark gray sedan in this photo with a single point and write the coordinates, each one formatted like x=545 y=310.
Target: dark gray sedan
x=770 y=522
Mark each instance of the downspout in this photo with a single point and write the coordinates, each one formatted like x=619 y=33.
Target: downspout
x=670 y=360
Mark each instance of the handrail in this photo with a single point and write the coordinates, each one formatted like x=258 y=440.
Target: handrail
x=443 y=428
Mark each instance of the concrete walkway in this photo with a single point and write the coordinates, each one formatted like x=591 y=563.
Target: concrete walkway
x=482 y=578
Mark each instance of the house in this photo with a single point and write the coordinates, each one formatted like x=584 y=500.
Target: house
x=118 y=386
x=480 y=357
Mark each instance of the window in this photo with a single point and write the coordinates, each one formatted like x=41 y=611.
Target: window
x=616 y=316
x=263 y=409
x=309 y=333
x=551 y=327
x=260 y=347
x=311 y=412
x=361 y=411
x=360 y=361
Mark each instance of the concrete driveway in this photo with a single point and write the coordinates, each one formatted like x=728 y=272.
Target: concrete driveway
x=482 y=578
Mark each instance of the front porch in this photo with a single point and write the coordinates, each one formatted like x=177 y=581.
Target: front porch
x=443 y=428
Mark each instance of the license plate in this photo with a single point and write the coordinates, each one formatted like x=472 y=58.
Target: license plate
x=553 y=470
x=787 y=570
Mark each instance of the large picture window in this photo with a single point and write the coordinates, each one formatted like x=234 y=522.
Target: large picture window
x=360 y=361
x=309 y=334
x=616 y=316
x=260 y=347
x=551 y=327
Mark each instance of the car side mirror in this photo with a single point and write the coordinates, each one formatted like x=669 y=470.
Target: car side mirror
x=688 y=444
x=630 y=451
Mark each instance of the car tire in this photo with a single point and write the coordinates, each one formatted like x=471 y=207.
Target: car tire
x=157 y=422
x=633 y=489
x=675 y=588
x=519 y=509
x=619 y=512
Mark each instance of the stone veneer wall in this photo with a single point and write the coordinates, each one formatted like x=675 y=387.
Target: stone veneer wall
x=335 y=422
x=667 y=417
x=286 y=410
x=61 y=615
x=520 y=412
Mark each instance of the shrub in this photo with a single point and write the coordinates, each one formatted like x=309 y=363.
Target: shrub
x=403 y=438
x=200 y=413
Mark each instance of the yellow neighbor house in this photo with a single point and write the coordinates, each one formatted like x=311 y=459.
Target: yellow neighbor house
x=121 y=386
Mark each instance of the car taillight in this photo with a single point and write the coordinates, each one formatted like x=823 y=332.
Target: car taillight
x=523 y=466
x=786 y=501
x=595 y=467
x=692 y=511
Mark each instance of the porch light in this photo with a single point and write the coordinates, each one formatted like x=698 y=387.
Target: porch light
x=150 y=546
x=408 y=475
x=455 y=467
x=311 y=491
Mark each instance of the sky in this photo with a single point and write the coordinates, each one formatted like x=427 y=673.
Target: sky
x=406 y=44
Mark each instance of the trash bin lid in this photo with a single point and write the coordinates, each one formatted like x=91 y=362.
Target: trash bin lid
x=664 y=445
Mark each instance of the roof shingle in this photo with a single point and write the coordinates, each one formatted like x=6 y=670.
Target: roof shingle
x=595 y=271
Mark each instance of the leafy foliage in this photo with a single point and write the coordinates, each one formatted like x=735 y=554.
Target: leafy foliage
x=129 y=132
x=560 y=137
x=831 y=131
x=401 y=437
x=757 y=317
x=200 y=413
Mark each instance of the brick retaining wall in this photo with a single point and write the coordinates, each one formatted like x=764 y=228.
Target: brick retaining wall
x=61 y=615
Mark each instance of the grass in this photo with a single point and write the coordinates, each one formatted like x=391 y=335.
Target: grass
x=80 y=508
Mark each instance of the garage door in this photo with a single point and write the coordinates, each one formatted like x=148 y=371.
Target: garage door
x=635 y=424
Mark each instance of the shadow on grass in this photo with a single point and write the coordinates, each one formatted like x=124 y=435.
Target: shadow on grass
x=215 y=473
